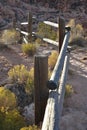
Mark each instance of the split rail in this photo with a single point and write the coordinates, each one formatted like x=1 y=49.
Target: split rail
x=49 y=94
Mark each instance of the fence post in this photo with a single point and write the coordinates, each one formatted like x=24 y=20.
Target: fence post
x=61 y=31
x=30 y=27
x=41 y=91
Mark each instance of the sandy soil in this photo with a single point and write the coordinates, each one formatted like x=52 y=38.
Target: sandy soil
x=12 y=56
x=75 y=111
x=78 y=78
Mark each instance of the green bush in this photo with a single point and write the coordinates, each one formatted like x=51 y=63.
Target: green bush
x=2 y=117
x=7 y=99
x=77 y=33
x=38 y=41
x=76 y=29
x=30 y=81
x=52 y=59
x=34 y=127
x=9 y=36
x=10 y=119
x=20 y=74
x=68 y=90
x=29 y=49
x=13 y=121
x=46 y=31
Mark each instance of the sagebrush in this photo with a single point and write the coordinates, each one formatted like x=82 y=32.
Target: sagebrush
x=20 y=74
x=34 y=127
x=29 y=49
x=52 y=59
x=68 y=90
x=10 y=36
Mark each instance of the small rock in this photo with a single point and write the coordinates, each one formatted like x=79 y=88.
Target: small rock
x=29 y=113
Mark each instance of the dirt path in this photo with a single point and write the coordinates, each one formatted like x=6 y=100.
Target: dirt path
x=12 y=56
x=79 y=79
x=75 y=117
x=75 y=113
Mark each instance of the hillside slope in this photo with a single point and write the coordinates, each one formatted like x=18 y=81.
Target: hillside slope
x=18 y=9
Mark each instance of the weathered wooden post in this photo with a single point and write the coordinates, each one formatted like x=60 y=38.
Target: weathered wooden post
x=30 y=27
x=61 y=32
x=41 y=91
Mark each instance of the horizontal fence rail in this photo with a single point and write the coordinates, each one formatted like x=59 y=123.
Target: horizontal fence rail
x=61 y=89
x=53 y=82
x=51 y=112
x=56 y=84
x=38 y=36
x=49 y=94
x=55 y=101
x=51 y=24
x=30 y=33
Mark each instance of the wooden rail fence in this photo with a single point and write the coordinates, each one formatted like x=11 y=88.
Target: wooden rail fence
x=56 y=86
x=60 y=27
x=49 y=95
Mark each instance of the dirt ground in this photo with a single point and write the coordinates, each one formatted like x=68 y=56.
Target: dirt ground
x=10 y=56
x=75 y=111
x=78 y=78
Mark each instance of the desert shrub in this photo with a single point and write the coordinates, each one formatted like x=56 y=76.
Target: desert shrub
x=80 y=41
x=10 y=119
x=2 y=117
x=30 y=81
x=7 y=99
x=68 y=90
x=38 y=41
x=46 y=31
x=52 y=59
x=77 y=32
x=13 y=121
x=76 y=29
x=10 y=36
x=34 y=127
x=20 y=74
x=29 y=49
